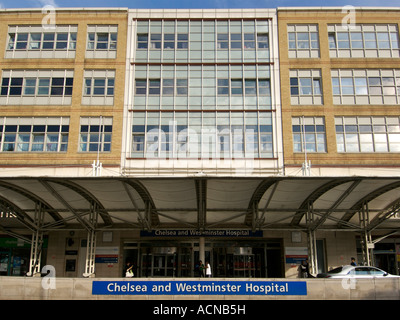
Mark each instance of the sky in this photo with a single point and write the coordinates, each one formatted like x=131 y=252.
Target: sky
x=196 y=4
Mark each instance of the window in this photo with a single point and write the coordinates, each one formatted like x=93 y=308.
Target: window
x=367 y=134
x=182 y=41
x=223 y=40
x=40 y=84
x=98 y=87
x=95 y=134
x=170 y=87
x=262 y=41
x=236 y=86
x=34 y=134
x=252 y=86
x=142 y=41
x=181 y=87
x=154 y=86
x=155 y=41
x=34 y=42
x=303 y=41
x=264 y=87
x=223 y=86
x=249 y=41
x=170 y=41
x=364 y=40
x=201 y=135
x=101 y=41
x=371 y=86
x=305 y=87
x=141 y=86
x=308 y=134
x=236 y=41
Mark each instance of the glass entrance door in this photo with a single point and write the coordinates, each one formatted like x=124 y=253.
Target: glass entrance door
x=163 y=265
x=244 y=266
x=158 y=262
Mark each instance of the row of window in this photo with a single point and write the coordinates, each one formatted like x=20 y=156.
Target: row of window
x=364 y=40
x=35 y=42
x=353 y=134
x=44 y=86
x=235 y=41
x=206 y=87
x=224 y=87
x=349 y=86
x=202 y=135
x=197 y=135
x=359 y=41
x=51 y=134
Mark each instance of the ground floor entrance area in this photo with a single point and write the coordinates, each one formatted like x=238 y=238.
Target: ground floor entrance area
x=227 y=259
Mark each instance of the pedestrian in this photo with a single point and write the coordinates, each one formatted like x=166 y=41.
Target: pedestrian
x=303 y=269
x=353 y=261
x=129 y=270
x=201 y=269
x=208 y=270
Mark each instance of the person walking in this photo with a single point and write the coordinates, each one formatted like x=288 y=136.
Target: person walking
x=208 y=270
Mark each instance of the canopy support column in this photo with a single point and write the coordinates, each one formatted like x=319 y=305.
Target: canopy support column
x=311 y=240
x=366 y=240
x=37 y=242
x=91 y=243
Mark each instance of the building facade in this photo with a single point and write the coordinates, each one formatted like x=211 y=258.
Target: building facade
x=244 y=138
x=339 y=90
x=202 y=93
x=62 y=90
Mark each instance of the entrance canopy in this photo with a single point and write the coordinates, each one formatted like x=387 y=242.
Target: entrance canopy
x=200 y=203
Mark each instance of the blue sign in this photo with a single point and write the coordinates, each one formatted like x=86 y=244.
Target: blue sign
x=206 y=287
x=198 y=233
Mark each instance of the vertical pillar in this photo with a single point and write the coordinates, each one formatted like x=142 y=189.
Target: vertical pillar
x=202 y=255
x=91 y=244
x=311 y=240
x=366 y=240
x=37 y=243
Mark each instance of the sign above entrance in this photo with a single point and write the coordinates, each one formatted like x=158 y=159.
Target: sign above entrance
x=215 y=287
x=198 y=233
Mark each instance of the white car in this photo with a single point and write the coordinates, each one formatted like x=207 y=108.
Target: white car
x=358 y=272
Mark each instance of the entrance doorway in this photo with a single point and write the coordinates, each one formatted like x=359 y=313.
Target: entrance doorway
x=159 y=262
x=228 y=259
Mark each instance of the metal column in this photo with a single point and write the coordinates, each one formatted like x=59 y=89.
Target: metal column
x=311 y=240
x=91 y=243
x=37 y=242
x=366 y=239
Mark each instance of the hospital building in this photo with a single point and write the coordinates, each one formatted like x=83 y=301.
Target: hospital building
x=252 y=139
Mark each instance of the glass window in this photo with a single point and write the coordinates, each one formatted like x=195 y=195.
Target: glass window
x=361 y=137
x=95 y=137
x=155 y=41
x=182 y=41
x=34 y=138
x=308 y=134
x=262 y=41
x=366 y=39
x=223 y=41
x=236 y=87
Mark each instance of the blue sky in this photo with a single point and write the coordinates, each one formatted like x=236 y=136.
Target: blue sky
x=196 y=4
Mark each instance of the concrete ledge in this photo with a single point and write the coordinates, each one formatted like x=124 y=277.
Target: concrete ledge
x=24 y=288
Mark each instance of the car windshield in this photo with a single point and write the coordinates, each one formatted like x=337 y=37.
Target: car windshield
x=336 y=270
